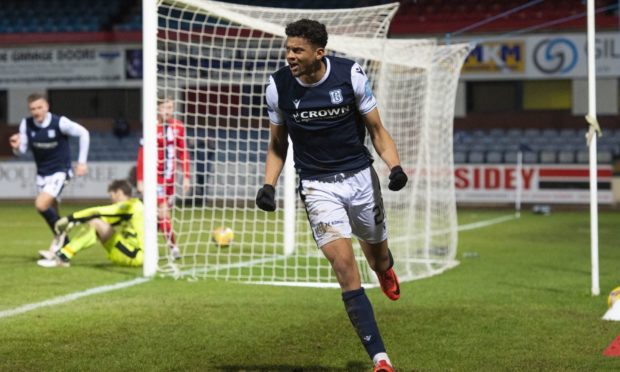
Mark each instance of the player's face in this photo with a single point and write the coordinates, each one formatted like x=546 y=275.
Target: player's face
x=165 y=110
x=303 y=58
x=38 y=109
x=117 y=196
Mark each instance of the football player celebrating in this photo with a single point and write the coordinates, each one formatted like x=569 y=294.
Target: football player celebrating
x=171 y=148
x=47 y=136
x=326 y=105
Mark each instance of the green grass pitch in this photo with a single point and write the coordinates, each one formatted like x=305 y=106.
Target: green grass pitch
x=519 y=301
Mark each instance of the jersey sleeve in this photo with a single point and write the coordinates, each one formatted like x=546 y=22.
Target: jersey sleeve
x=112 y=213
x=140 y=162
x=23 y=138
x=181 y=146
x=74 y=129
x=364 y=97
x=271 y=96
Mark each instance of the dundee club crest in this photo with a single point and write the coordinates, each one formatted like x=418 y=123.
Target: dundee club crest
x=336 y=96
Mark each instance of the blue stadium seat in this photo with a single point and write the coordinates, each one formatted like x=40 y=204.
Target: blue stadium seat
x=476 y=157
x=568 y=132
x=460 y=157
x=515 y=133
x=566 y=156
x=604 y=157
x=583 y=156
x=548 y=156
x=529 y=157
x=549 y=133
x=532 y=132
x=495 y=157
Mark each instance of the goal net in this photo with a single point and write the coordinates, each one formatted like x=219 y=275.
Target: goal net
x=215 y=59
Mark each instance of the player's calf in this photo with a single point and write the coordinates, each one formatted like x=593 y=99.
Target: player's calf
x=389 y=281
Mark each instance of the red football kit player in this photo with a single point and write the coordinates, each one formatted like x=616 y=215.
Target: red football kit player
x=171 y=149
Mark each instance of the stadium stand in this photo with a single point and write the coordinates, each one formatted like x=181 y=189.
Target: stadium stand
x=561 y=144
x=62 y=16
x=543 y=146
x=413 y=17
x=424 y=16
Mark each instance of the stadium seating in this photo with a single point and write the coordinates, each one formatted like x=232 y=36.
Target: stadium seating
x=495 y=146
x=542 y=146
x=41 y=16
x=423 y=17
x=413 y=17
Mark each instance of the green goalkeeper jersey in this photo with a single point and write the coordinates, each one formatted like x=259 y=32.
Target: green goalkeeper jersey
x=126 y=217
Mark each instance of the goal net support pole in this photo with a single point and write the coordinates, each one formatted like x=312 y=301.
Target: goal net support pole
x=593 y=131
x=149 y=118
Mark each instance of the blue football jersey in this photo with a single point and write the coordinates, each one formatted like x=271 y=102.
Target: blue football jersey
x=49 y=146
x=324 y=119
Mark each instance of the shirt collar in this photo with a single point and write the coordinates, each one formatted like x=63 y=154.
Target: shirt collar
x=46 y=122
x=327 y=71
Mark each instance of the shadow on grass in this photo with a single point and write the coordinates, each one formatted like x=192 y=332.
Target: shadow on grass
x=541 y=288
x=130 y=272
x=351 y=367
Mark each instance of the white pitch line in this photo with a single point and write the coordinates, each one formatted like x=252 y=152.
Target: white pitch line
x=102 y=289
x=493 y=221
x=71 y=297
x=112 y=287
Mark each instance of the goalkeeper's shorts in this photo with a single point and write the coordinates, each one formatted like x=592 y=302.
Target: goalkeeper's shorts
x=345 y=204
x=124 y=252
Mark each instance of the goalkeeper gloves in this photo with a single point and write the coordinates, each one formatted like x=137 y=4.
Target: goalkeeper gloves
x=398 y=178
x=61 y=225
x=265 y=199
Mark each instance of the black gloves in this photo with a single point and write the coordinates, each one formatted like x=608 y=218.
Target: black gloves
x=398 y=178
x=265 y=199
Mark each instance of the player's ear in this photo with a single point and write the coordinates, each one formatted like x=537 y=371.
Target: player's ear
x=320 y=53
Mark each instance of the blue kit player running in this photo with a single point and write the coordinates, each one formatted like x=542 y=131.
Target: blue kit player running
x=47 y=136
x=326 y=105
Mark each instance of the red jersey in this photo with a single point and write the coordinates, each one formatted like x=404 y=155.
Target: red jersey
x=171 y=149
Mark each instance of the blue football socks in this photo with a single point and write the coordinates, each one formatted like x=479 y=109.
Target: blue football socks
x=363 y=319
x=50 y=216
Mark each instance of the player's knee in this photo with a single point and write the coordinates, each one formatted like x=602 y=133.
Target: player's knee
x=42 y=204
x=344 y=265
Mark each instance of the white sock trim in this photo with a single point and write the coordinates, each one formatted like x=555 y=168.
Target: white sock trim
x=381 y=356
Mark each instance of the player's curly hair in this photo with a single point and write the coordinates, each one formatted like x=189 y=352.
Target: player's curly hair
x=308 y=29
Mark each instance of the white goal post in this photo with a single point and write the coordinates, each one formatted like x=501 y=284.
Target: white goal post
x=215 y=59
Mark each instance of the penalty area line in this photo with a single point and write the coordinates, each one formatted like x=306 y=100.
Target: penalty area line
x=71 y=297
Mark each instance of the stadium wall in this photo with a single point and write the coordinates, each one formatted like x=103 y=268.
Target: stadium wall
x=475 y=183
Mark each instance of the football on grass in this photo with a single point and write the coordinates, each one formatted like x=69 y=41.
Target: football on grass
x=222 y=236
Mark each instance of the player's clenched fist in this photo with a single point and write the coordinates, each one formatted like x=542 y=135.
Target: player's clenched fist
x=14 y=141
x=265 y=199
x=398 y=178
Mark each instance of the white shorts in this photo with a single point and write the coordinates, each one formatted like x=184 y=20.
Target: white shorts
x=345 y=204
x=52 y=184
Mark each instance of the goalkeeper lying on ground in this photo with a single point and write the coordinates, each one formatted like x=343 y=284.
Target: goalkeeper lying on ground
x=118 y=226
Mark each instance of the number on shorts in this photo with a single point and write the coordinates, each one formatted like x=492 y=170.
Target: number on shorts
x=379 y=214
